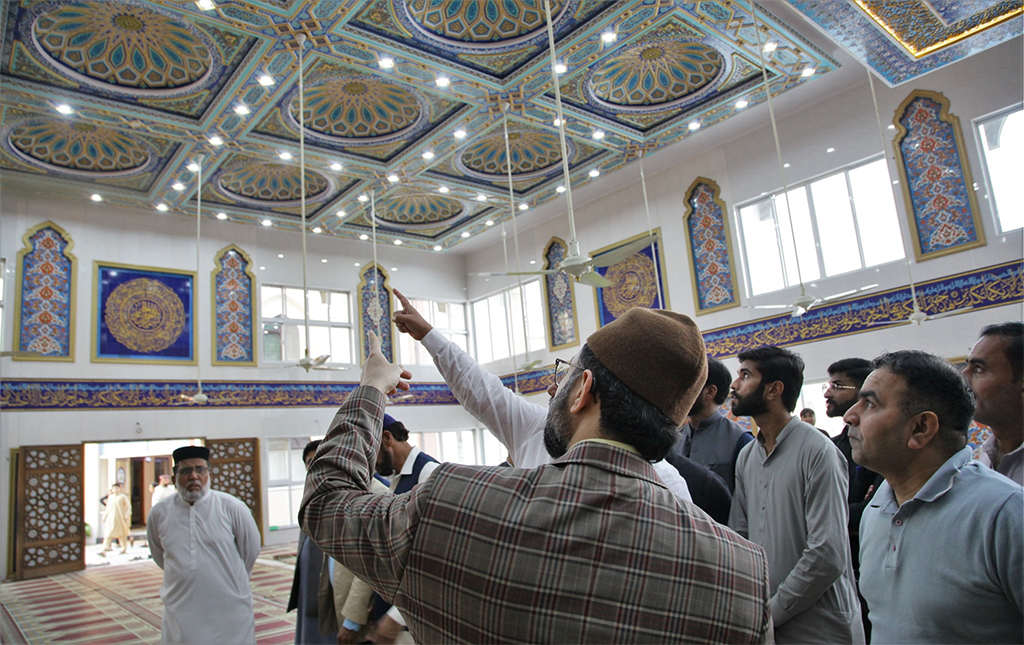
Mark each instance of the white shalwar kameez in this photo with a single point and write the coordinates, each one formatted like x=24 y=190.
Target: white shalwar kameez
x=207 y=551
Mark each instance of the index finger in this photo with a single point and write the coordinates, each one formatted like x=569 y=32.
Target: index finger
x=402 y=299
x=374 y=343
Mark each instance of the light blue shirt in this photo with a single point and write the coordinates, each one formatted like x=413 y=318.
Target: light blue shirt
x=948 y=565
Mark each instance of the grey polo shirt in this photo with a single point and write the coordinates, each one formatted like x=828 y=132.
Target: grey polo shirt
x=947 y=565
x=793 y=504
x=715 y=443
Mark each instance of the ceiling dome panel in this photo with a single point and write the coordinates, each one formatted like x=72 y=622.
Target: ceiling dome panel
x=128 y=47
x=657 y=73
x=534 y=152
x=73 y=146
x=257 y=181
x=481 y=22
x=360 y=107
x=417 y=210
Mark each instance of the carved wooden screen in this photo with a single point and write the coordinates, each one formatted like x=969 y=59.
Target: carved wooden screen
x=235 y=470
x=50 y=536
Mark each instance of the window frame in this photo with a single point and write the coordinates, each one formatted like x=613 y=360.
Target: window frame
x=300 y=322
x=290 y=483
x=979 y=138
x=506 y=294
x=448 y=332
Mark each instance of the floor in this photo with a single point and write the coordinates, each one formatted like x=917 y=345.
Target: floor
x=116 y=600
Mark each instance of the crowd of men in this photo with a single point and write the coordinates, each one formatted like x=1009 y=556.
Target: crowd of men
x=634 y=511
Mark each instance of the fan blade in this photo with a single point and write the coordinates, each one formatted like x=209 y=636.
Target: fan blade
x=950 y=313
x=594 y=279
x=848 y=293
x=320 y=360
x=767 y=306
x=496 y=274
x=888 y=323
x=330 y=369
x=618 y=255
x=529 y=366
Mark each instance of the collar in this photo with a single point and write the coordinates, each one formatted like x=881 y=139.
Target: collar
x=606 y=455
x=410 y=461
x=617 y=444
x=710 y=421
x=787 y=430
x=942 y=479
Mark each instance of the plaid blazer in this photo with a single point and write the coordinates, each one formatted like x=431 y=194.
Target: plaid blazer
x=591 y=548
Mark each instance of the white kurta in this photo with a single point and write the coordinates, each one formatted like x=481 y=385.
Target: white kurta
x=207 y=551
x=160 y=493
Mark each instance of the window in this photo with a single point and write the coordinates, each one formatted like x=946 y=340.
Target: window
x=474 y=447
x=495 y=316
x=1002 y=144
x=284 y=334
x=449 y=318
x=287 y=477
x=844 y=222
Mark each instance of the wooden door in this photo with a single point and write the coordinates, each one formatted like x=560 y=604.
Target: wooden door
x=235 y=469
x=50 y=512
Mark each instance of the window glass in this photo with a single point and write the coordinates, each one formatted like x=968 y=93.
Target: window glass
x=760 y=241
x=834 y=216
x=482 y=331
x=284 y=331
x=876 y=214
x=1002 y=141
x=272 y=302
x=340 y=312
x=801 y=224
x=318 y=305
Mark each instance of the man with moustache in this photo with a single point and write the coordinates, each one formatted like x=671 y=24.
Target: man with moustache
x=206 y=542
x=589 y=548
x=790 y=498
x=942 y=541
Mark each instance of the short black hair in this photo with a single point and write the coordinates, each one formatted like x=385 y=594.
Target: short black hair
x=310 y=447
x=625 y=415
x=807 y=411
x=1013 y=333
x=856 y=368
x=398 y=431
x=778 y=364
x=931 y=384
x=718 y=375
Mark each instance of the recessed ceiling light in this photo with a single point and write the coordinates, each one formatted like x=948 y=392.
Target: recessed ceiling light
x=96 y=197
x=608 y=37
x=443 y=81
x=465 y=233
x=161 y=207
x=216 y=141
x=222 y=215
x=598 y=135
x=895 y=182
x=533 y=262
x=437 y=247
x=263 y=268
x=336 y=167
x=394 y=268
x=694 y=125
x=364 y=237
x=279 y=255
x=740 y=104
x=323 y=260
x=892 y=127
x=523 y=207
x=386 y=62
x=242 y=109
x=206 y=5
x=398 y=242
x=785 y=165
x=460 y=134
x=830 y=150
x=317 y=230
x=266 y=80
x=560 y=68
x=489 y=222
x=267 y=222
x=428 y=155
x=556 y=122
x=287 y=156
x=178 y=186
x=770 y=47
x=363 y=198
x=442 y=189
x=481 y=198
x=341 y=213
x=594 y=173
x=358 y=265
x=193 y=167
x=393 y=178
x=808 y=71
x=560 y=189
x=64 y=108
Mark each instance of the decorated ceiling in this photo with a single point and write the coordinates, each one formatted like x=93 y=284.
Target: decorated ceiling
x=405 y=102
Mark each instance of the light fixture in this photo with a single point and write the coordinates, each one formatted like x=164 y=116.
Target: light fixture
x=393 y=178
x=96 y=197
x=895 y=182
x=556 y=122
x=323 y=260
x=287 y=156
x=608 y=37
x=785 y=165
x=193 y=167
x=489 y=222
x=341 y=213
x=394 y=269
x=442 y=189
x=178 y=186
x=598 y=135
x=560 y=68
x=481 y=198
x=206 y=5
x=465 y=233
x=262 y=268
x=830 y=150
x=770 y=47
x=533 y=262
x=808 y=71
x=162 y=207
x=222 y=216
x=336 y=167
x=358 y=265
x=460 y=134
x=594 y=173
x=892 y=127
x=442 y=81
x=216 y=141
x=386 y=62
x=363 y=198
x=428 y=155
x=437 y=247
x=523 y=206
x=266 y=80
x=267 y=222
x=318 y=230
x=398 y=242
x=740 y=104
x=364 y=237
x=560 y=189
x=242 y=109
x=64 y=108
x=694 y=125
x=279 y=255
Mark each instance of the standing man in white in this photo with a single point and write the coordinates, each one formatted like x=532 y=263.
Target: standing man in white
x=206 y=542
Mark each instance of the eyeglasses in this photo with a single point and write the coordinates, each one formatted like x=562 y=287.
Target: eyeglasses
x=187 y=471
x=562 y=368
x=836 y=387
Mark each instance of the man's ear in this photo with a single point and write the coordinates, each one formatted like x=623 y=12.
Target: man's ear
x=924 y=428
x=773 y=390
x=584 y=394
x=386 y=438
x=710 y=392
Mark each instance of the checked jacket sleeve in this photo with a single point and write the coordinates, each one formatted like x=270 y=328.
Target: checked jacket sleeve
x=369 y=533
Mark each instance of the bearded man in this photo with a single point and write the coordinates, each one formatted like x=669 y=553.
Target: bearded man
x=206 y=542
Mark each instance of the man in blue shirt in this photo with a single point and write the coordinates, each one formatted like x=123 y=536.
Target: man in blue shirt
x=942 y=541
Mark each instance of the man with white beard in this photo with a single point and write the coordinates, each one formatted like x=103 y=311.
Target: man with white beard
x=206 y=542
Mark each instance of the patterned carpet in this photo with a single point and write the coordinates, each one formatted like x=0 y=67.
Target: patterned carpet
x=121 y=604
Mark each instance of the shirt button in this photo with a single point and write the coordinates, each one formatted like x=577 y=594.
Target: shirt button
x=899 y=522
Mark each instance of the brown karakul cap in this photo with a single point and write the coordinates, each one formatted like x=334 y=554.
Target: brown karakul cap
x=658 y=354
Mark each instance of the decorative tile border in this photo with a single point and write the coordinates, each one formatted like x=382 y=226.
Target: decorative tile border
x=984 y=288
x=375 y=308
x=233 y=296
x=44 y=300
x=936 y=180
x=559 y=299
x=708 y=242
